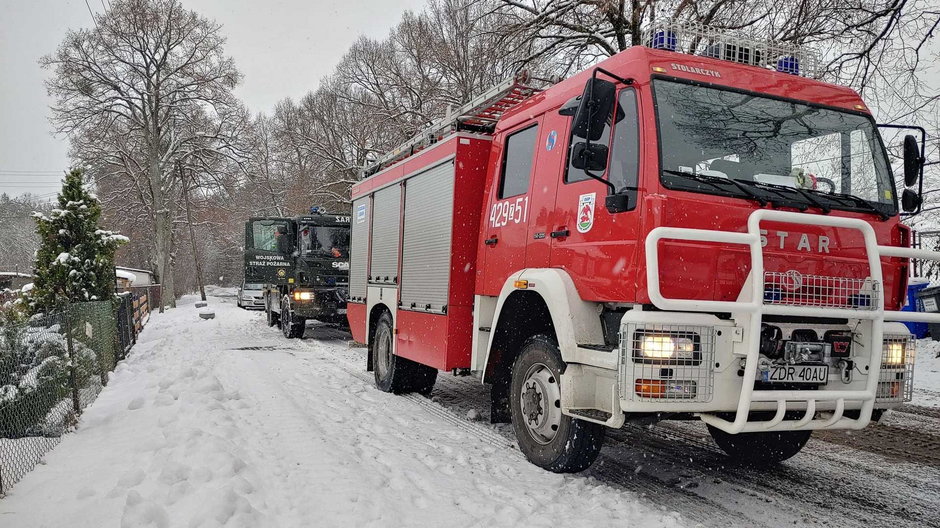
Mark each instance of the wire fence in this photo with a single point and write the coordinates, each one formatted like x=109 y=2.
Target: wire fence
x=51 y=368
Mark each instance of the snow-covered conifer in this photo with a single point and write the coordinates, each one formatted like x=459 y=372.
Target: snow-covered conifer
x=75 y=260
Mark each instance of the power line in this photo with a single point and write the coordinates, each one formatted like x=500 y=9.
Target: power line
x=93 y=19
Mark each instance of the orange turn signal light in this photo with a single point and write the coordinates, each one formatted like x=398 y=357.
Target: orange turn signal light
x=650 y=388
x=521 y=284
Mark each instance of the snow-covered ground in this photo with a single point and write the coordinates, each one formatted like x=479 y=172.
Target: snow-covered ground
x=927 y=374
x=223 y=422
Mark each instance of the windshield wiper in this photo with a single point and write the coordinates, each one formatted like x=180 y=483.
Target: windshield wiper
x=803 y=192
x=861 y=203
x=715 y=180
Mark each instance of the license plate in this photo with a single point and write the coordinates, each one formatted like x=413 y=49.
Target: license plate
x=930 y=304
x=341 y=311
x=815 y=374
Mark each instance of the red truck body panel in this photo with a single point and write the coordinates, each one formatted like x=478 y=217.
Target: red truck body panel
x=439 y=340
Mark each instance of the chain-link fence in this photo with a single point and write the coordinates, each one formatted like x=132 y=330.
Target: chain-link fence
x=51 y=367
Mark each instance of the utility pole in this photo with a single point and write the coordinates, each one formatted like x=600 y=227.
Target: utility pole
x=192 y=232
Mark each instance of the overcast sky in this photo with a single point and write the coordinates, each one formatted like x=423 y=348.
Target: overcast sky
x=284 y=47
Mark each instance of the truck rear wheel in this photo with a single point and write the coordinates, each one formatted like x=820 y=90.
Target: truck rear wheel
x=548 y=438
x=393 y=373
x=760 y=448
x=292 y=325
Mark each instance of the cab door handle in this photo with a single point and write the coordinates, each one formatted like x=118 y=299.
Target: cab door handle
x=491 y=241
x=561 y=233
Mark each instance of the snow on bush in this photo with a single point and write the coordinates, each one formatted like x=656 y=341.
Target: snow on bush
x=35 y=374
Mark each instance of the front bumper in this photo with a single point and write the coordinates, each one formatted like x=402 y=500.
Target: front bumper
x=252 y=302
x=711 y=378
x=325 y=304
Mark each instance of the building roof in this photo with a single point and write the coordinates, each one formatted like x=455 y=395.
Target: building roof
x=133 y=269
x=14 y=274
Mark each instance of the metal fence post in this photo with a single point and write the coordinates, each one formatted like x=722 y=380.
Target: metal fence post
x=73 y=376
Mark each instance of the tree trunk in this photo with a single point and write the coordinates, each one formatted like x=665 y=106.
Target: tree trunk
x=192 y=238
x=162 y=225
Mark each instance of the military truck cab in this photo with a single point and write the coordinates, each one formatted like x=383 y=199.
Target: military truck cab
x=304 y=264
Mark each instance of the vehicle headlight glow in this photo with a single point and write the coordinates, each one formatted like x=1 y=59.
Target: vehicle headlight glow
x=894 y=353
x=665 y=346
x=303 y=295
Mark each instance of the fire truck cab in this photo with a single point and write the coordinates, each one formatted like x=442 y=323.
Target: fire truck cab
x=666 y=235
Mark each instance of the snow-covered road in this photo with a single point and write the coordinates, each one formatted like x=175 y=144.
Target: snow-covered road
x=227 y=423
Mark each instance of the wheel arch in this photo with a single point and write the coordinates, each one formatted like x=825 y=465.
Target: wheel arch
x=548 y=304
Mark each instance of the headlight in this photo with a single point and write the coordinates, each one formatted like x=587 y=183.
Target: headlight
x=660 y=347
x=303 y=295
x=894 y=353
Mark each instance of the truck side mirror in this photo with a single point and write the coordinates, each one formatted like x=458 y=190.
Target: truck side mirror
x=910 y=200
x=594 y=110
x=913 y=162
x=589 y=156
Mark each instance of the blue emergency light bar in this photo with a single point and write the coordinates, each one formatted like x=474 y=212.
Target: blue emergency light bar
x=731 y=45
x=664 y=40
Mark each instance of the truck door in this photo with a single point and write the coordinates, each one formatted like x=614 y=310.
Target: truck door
x=549 y=166
x=596 y=247
x=269 y=243
x=505 y=227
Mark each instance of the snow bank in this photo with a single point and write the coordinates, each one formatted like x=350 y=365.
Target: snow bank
x=226 y=423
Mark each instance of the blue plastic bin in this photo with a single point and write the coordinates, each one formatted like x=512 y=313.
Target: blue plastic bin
x=918 y=329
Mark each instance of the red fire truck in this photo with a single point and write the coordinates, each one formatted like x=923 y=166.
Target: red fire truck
x=688 y=230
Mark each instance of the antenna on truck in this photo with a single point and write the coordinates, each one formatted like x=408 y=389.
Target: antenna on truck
x=479 y=114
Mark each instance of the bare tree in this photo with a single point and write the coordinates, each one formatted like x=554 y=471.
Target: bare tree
x=152 y=79
x=18 y=238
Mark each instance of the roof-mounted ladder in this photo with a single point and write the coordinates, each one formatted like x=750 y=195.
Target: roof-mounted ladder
x=480 y=114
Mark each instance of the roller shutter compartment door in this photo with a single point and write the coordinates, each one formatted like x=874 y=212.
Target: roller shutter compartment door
x=359 y=252
x=386 y=217
x=429 y=203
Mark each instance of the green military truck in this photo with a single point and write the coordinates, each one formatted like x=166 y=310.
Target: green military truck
x=303 y=263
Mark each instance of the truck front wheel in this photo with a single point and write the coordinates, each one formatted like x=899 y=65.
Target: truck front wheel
x=393 y=373
x=548 y=438
x=760 y=449
x=292 y=325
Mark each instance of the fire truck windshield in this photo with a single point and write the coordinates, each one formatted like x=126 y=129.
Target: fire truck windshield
x=324 y=242
x=719 y=141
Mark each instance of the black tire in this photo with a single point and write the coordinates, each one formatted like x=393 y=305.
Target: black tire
x=292 y=325
x=272 y=318
x=760 y=449
x=396 y=374
x=568 y=444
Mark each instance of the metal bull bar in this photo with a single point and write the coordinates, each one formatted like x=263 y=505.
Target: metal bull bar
x=751 y=303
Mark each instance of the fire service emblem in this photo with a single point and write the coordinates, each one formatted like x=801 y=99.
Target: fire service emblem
x=586 y=212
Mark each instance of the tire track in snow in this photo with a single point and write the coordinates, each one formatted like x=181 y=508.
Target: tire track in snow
x=608 y=470
x=287 y=379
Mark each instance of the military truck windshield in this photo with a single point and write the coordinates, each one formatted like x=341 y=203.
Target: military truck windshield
x=321 y=241
x=718 y=141
x=269 y=235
